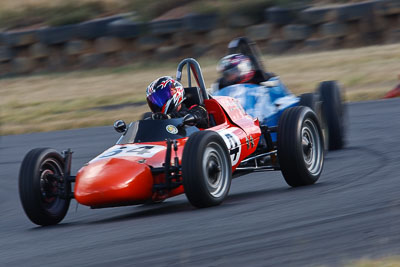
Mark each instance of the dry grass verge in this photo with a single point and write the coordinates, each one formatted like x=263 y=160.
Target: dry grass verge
x=385 y=262
x=72 y=100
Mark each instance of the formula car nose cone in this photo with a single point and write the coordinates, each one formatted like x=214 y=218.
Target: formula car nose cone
x=112 y=182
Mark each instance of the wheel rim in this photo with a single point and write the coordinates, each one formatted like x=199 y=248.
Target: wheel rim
x=215 y=169
x=311 y=147
x=50 y=171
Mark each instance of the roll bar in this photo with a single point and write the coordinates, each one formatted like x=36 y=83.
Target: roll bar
x=194 y=66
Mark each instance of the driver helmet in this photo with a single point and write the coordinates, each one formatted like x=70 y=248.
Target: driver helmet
x=165 y=95
x=236 y=68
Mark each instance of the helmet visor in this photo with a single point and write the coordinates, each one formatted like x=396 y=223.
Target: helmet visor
x=231 y=75
x=158 y=98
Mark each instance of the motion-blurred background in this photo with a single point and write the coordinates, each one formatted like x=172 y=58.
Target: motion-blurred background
x=71 y=64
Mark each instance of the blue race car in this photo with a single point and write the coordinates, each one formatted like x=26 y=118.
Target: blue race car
x=269 y=98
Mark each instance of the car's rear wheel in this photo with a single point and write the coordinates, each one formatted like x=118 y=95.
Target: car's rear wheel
x=312 y=101
x=206 y=169
x=334 y=113
x=300 y=146
x=308 y=100
x=41 y=179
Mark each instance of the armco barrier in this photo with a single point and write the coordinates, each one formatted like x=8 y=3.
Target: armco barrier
x=117 y=40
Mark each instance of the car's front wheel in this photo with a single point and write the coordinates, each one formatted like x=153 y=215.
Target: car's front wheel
x=41 y=180
x=206 y=169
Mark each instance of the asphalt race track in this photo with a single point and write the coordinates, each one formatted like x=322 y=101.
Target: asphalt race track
x=352 y=212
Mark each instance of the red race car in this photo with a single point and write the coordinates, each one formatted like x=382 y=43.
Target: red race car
x=158 y=159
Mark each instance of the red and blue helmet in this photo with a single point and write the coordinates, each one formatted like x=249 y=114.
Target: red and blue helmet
x=236 y=68
x=165 y=95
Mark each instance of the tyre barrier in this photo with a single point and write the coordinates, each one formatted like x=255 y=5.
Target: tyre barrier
x=296 y=32
x=16 y=39
x=200 y=23
x=279 y=15
x=57 y=35
x=260 y=32
x=6 y=54
x=39 y=51
x=126 y=29
x=166 y=26
x=333 y=29
x=118 y=38
x=96 y=28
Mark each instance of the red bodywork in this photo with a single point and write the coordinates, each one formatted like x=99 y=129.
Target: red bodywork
x=126 y=179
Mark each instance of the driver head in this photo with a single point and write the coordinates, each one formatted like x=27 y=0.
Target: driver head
x=236 y=68
x=165 y=95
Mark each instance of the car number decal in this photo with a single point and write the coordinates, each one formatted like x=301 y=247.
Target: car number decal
x=144 y=151
x=232 y=142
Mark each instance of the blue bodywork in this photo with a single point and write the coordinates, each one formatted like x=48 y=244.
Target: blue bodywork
x=265 y=102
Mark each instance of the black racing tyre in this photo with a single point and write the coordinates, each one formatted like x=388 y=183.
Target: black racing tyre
x=312 y=101
x=334 y=113
x=206 y=169
x=96 y=28
x=308 y=100
x=39 y=184
x=300 y=146
x=279 y=15
x=57 y=35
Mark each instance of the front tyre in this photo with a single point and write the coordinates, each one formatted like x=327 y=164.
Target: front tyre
x=40 y=182
x=206 y=169
x=300 y=146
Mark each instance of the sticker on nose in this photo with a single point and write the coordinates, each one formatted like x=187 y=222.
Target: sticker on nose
x=171 y=129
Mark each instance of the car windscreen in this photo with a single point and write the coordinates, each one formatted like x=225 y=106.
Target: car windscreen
x=156 y=130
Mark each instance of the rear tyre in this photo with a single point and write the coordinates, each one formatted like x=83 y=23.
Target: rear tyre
x=40 y=181
x=300 y=146
x=308 y=100
x=334 y=114
x=311 y=100
x=206 y=169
